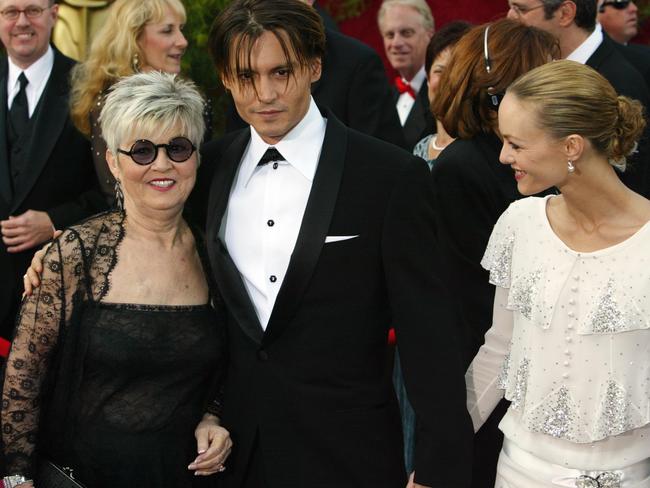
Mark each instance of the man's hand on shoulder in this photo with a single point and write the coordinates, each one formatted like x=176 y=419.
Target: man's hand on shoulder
x=26 y=231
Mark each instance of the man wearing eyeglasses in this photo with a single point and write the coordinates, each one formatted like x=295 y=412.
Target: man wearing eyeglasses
x=46 y=168
x=582 y=39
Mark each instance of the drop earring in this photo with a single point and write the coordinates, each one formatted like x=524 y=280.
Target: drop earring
x=135 y=63
x=570 y=166
x=119 y=195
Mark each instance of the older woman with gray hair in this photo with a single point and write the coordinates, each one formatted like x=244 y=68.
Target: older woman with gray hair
x=115 y=369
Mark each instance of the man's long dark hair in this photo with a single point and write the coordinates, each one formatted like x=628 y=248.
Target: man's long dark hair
x=296 y=25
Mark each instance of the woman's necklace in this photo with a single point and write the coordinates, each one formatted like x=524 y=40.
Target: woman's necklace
x=434 y=146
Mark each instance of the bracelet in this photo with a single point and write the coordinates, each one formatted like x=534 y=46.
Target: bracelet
x=13 y=480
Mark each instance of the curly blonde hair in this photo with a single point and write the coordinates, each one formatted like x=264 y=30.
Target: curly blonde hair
x=112 y=52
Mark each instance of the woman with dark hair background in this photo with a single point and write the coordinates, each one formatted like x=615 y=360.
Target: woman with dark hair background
x=472 y=189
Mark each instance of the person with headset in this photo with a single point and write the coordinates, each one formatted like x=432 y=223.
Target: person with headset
x=472 y=189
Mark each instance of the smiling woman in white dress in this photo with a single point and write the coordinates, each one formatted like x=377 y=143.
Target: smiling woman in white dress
x=570 y=340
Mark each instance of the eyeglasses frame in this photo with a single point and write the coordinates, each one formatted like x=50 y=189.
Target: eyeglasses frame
x=156 y=147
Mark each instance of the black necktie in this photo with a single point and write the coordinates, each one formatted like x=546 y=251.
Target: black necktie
x=271 y=154
x=19 y=112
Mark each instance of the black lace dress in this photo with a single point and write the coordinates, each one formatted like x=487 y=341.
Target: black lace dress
x=118 y=388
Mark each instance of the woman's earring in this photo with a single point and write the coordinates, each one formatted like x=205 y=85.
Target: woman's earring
x=119 y=196
x=570 y=167
x=135 y=63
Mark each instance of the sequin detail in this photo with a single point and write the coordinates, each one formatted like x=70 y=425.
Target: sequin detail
x=609 y=317
x=556 y=417
x=498 y=260
x=525 y=293
x=521 y=384
x=615 y=414
x=502 y=380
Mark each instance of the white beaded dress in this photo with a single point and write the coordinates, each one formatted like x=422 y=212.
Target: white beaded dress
x=569 y=345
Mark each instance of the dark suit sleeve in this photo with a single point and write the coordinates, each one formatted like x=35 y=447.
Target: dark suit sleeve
x=83 y=205
x=371 y=106
x=426 y=334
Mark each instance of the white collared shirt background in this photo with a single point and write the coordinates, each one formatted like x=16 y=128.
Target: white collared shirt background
x=584 y=51
x=37 y=75
x=405 y=101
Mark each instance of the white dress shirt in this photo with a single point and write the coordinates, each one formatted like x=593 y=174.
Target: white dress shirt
x=584 y=51
x=405 y=101
x=37 y=75
x=569 y=344
x=266 y=207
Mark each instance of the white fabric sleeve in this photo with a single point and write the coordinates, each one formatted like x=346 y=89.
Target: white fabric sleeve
x=482 y=377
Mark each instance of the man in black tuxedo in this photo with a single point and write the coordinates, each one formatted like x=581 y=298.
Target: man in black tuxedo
x=46 y=171
x=321 y=238
x=581 y=39
x=353 y=86
x=406 y=28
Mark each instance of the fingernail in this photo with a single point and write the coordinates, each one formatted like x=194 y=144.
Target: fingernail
x=191 y=466
x=202 y=451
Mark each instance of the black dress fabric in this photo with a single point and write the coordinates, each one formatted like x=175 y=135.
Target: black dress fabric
x=118 y=388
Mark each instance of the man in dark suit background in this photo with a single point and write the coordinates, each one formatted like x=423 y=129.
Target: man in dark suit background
x=46 y=171
x=406 y=28
x=321 y=238
x=353 y=85
x=619 y=19
x=581 y=39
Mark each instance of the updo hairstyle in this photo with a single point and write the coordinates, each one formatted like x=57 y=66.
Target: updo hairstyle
x=571 y=98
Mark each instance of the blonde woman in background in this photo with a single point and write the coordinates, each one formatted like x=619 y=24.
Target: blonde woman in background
x=138 y=36
x=570 y=340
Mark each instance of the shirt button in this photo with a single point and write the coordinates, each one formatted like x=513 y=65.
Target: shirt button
x=273 y=279
x=572 y=302
x=576 y=277
x=567 y=352
x=569 y=326
x=270 y=223
x=565 y=375
x=568 y=339
x=566 y=363
x=574 y=289
x=570 y=314
x=275 y=165
x=262 y=355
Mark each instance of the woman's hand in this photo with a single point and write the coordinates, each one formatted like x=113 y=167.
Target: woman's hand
x=26 y=484
x=213 y=445
x=32 y=277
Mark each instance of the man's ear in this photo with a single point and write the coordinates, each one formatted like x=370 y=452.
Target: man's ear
x=316 y=69
x=566 y=13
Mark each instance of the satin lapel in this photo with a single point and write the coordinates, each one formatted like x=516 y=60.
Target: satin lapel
x=51 y=117
x=6 y=193
x=225 y=272
x=314 y=228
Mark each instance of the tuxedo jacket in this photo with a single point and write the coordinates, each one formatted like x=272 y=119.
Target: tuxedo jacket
x=353 y=85
x=420 y=121
x=313 y=388
x=638 y=56
x=58 y=178
x=626 y=80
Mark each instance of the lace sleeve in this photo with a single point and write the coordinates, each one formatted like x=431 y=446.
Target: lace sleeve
x=37 y=333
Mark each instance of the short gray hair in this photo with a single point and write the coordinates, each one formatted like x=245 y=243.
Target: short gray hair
x=150 y=103
x=420 y=6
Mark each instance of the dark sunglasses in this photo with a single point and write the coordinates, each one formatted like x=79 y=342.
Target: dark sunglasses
x=145 y=152
x=617 y=4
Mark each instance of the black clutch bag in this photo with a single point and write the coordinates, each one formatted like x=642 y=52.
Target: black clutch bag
x=49 y=475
